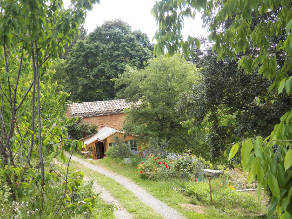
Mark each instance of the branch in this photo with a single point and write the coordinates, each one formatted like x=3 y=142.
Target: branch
x=6 y=67
x=17 y=80
x=21 y=102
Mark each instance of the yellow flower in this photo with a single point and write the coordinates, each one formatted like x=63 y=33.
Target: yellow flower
x=231 y=187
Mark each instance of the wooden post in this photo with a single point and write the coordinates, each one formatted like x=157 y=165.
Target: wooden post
x=210 y=188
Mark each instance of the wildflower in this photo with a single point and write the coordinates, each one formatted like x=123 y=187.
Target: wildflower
x=159 y=162
x=196 y=180
x=168 y=167
x=164 y=163
x=141 y=171
x=231 y=187
x=142 y=163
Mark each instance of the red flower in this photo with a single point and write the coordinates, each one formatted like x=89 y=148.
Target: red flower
x=142 y=163
x=164 y=163
x=196 y=180
x=168 y=167
x=159 y=162
x=141 y=171
x=158 y=157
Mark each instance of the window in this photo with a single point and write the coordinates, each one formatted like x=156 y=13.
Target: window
x=133 y=145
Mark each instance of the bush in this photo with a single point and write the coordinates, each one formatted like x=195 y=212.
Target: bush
x=188 y=166
x=119 y=150
x=79 y=200
x=77 y=130
x=155 y=168
x=224 y=197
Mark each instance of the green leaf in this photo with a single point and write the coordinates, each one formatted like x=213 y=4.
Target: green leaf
x=246 y=148
x=289 y=26
x=288 y=160
x=62 y=156
x=281 y=85
x=274 y=186
x=233 y=151
x=288 y=86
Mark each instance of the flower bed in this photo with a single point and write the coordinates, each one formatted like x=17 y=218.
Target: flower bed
x=185 y=166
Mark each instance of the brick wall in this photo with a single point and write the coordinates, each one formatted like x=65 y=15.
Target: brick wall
x=113 y=121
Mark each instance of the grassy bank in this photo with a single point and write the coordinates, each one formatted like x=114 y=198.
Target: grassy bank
x=169 y=192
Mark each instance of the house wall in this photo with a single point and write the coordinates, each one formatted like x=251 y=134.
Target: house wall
x=91 y=147
x=113 y=121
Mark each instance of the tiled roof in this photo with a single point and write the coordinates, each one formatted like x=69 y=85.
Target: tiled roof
x=98 y=108
x=102 y=134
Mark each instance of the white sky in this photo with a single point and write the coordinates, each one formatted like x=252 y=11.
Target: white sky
x=137 y=13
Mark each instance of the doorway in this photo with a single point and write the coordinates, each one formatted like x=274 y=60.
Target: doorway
x=99 y=150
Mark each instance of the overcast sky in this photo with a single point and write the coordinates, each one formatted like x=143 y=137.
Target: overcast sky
x=137 y=13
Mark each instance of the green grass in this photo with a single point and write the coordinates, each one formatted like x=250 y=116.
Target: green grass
x=125 y=197
x=164 y=190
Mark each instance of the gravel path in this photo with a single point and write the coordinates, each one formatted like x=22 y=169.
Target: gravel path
x=158 y=206
x=119 y=212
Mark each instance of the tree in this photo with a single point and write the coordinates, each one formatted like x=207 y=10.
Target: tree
x=32 y=33
x=259 y=32
x=102 y=56
x=233 y=112
x=157 y=90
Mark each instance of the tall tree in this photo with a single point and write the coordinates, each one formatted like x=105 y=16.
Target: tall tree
x=157 y=90
x=260 y=33
x=102 y=56
x=31 y=34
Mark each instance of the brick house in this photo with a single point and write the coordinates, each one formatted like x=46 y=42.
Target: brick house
x=108 y=116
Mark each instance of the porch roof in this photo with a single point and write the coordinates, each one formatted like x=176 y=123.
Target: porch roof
x=102 y=134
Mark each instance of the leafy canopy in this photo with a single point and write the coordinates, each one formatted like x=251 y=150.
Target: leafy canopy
x=157 y=90
x=102 y=56
x=259 y=33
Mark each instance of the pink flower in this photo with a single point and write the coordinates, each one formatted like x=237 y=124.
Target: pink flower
x=196 y=180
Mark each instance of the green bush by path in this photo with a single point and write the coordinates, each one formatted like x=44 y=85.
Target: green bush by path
x=119 y=150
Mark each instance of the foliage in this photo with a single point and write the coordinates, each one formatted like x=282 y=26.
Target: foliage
x=185 y=166
x=102 y=56
x=79 y=200
x=32 y=112
x=157 y=90
x=224 y=197
x=119 y=149
x=155 y=168
x=77 y=130
x=231 y=112
x=259 y=33
x=189 y=166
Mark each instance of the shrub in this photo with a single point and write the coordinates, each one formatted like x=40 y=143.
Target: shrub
x=188 y=166
x=77 y=130
x=119 y=150
x=79 y=200
x=155 y=168
x=135 y=160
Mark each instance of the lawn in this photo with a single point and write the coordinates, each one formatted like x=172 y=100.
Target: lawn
x=169 y=192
